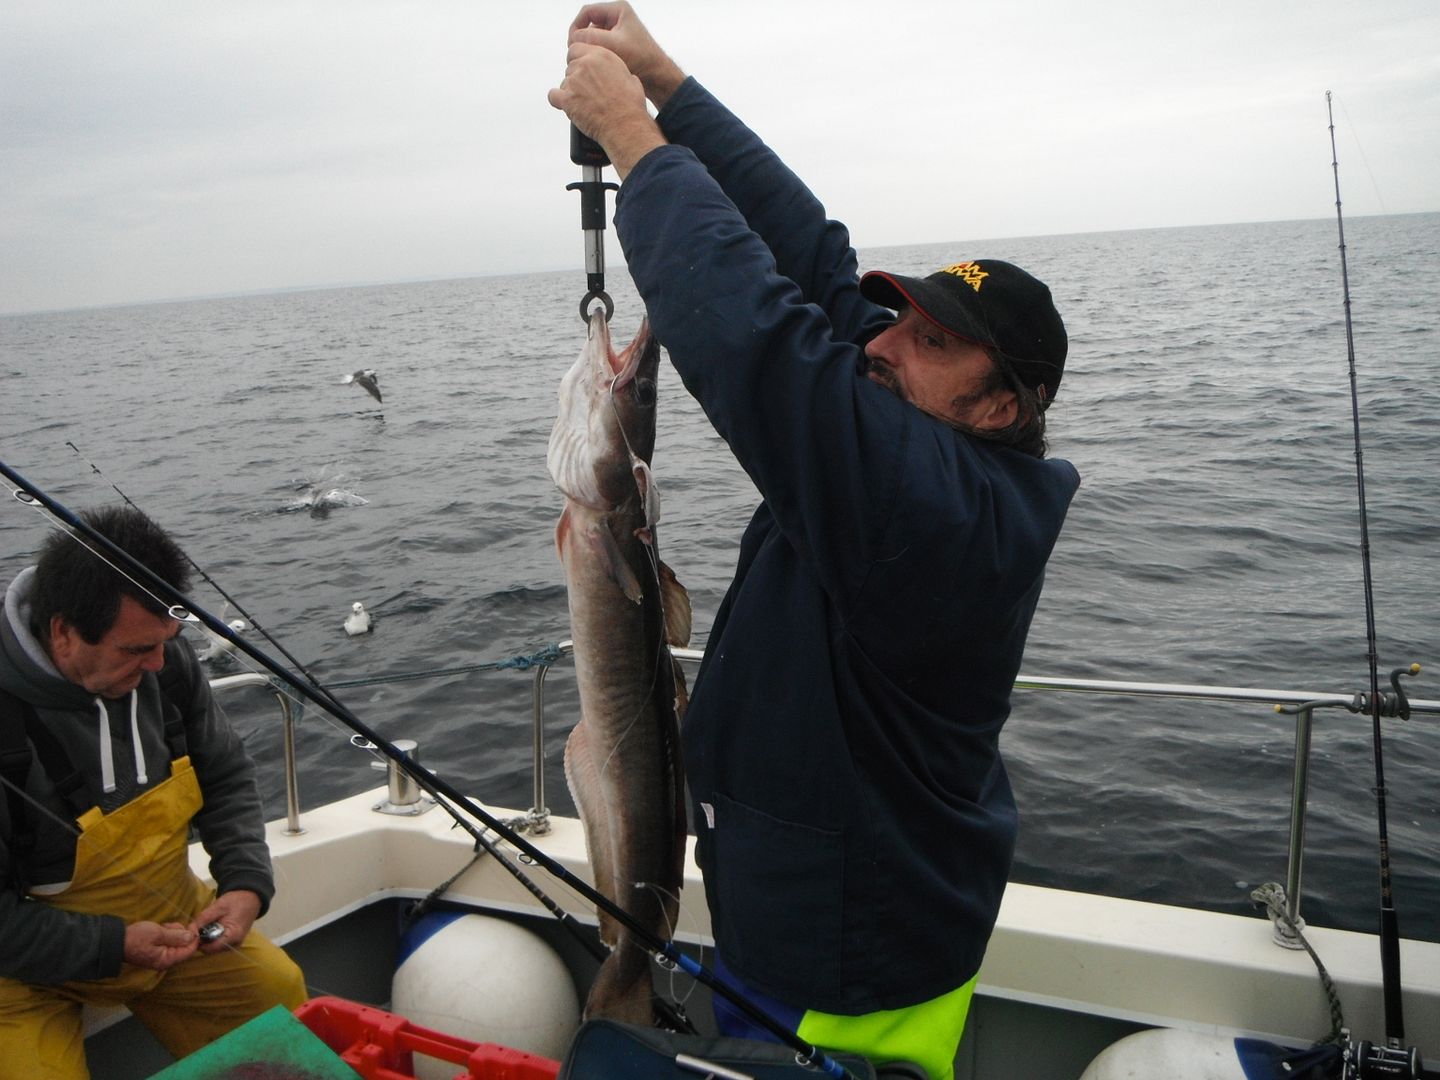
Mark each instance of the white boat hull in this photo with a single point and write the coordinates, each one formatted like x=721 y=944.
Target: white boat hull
x=1066 y=973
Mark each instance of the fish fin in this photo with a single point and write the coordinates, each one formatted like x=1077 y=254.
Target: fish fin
x=675 y=599
x=562 y=531
x=649 y=492
x=682 y=693
x=584 y=786
x=601 y=542
x=613 y=559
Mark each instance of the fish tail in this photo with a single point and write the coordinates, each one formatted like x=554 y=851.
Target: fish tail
x=623 y=989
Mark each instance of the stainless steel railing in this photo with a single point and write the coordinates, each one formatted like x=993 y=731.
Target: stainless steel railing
x=292 y=783
x=1301 y=703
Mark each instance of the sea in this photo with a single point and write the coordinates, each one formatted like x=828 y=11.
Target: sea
x=1215 y=539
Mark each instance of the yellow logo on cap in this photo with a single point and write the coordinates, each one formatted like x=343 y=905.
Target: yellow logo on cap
x=968 y=272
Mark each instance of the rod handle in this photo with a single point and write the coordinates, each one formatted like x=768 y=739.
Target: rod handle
x=585 y=150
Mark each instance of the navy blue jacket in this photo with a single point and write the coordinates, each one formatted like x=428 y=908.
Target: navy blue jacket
x=855 y=823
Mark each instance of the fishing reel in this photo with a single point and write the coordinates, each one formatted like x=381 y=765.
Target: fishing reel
x=1366 y=1061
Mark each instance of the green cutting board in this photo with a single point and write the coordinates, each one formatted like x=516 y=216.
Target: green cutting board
x=273 y=1046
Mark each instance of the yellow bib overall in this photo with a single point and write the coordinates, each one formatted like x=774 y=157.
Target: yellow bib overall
x=134 y=864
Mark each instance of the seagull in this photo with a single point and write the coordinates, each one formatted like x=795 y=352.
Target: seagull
x=218 y=645
x=367 y=378
x=358 y=621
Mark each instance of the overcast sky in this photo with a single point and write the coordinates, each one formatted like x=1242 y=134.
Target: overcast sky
x=155 y=150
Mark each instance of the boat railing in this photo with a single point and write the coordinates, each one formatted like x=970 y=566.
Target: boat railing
x=287 y=717
x=1299 y=703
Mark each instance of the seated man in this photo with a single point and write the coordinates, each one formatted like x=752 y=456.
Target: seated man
x=109 y=752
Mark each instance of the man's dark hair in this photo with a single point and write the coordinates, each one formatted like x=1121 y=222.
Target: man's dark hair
x=84 y=589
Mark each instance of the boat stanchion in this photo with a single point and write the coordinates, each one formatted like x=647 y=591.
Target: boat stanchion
x=403 y=795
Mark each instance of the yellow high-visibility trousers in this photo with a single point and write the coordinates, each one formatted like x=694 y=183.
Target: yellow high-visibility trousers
x=134 y=864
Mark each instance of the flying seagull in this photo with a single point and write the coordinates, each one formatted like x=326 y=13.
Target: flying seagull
x=358 y=621
x=367 y=378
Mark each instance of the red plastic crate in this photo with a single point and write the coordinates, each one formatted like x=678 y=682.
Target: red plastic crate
x=379 y=1045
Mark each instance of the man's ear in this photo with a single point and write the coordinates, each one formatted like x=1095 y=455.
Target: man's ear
x=63 y=639
x=1000 y=410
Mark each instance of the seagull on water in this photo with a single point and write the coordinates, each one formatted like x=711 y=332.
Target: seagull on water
x=358 y=621
x=367 y=378
x=218 y=645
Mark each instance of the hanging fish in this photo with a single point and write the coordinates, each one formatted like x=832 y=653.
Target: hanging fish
x=622 y=760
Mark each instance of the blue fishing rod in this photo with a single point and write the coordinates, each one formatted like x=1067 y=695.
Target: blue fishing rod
x=183 y=609
x=1364 y=1059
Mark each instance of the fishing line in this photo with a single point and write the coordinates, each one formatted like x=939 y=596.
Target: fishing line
x=1360 y=149
x=179 y=613
x=672 y=929
x=254 y=622
x=648 y=495
x=1389 y=924
x=665 y=952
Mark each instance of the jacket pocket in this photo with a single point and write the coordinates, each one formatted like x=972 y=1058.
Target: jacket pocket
x=780 y=889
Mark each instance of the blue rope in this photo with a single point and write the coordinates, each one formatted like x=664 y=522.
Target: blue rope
x=544 y=657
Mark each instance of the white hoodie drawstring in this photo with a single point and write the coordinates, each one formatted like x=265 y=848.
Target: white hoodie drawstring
x=107 y=753
x=140 y=777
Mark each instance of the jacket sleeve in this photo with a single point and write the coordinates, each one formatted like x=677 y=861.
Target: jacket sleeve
x=809 y=249
x=44 y=945
x=825 y=448
x=231 y=823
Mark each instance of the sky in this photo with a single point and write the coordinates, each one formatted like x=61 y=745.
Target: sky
x=162 y=150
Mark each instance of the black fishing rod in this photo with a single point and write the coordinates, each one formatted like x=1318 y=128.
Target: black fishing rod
x=589 y=940
x=1366 y=1060
x=210 y=581
x=183 y=609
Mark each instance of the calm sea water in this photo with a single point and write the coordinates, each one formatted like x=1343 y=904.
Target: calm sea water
x=1214 y=539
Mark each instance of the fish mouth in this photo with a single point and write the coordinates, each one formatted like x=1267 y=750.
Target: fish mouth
x=621 y=368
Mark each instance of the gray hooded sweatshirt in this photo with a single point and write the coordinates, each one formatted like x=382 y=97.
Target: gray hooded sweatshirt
x=119 y=749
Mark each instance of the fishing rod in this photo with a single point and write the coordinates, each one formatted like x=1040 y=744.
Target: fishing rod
x=182 y=609
x=1367 y=1060
x=590 y=941
x=208 y=579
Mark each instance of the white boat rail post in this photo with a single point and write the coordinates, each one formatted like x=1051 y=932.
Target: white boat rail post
x=292 y=781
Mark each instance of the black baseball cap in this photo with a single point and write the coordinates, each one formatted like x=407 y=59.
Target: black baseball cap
x=991 y=303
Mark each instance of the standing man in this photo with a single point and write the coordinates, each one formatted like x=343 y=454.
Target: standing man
x=110 y=752
x=855 y=823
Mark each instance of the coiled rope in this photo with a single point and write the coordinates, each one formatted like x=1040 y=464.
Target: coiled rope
x=1272 y=895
